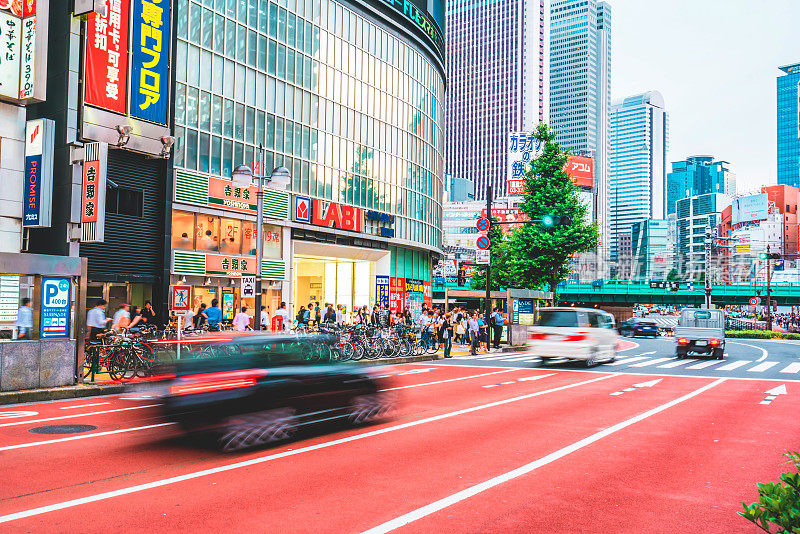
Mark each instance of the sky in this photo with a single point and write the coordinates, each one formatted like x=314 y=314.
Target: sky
x=715 y=62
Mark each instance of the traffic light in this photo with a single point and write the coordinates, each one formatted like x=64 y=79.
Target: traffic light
x=552 y=221
x=462 y=277
x=769 y=256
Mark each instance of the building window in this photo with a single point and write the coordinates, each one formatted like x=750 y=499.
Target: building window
x=182 y=230
x=124 y=201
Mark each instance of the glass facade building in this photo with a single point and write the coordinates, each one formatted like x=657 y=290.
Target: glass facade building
x=693 y=216
x=651 y=250
x=639 y=142
x=698 y=175
x=789 y=125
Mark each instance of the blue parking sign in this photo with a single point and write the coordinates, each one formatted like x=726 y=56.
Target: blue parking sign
x=56 y=303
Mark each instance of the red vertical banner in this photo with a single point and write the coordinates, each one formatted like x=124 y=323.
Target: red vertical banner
x=427 y=294
x=397 y=293
x=106 y=74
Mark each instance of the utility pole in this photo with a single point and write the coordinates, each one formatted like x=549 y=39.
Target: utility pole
x=769 y=293
x=707 y=243
x=487 y=306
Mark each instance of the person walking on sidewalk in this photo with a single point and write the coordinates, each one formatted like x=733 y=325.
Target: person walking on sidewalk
x=24 y=322
x=97 y=321
x=497 y=327
x=446 y=335
x=474 y=333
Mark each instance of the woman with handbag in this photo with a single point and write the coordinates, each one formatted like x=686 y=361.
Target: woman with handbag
x=446 y=335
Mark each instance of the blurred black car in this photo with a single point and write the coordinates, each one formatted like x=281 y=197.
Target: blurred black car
x=263 y=389
x=638 y=327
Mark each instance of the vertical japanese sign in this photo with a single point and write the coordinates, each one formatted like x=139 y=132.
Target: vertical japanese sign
x=10 y=51
x=56 y=302
x=93 y=201
x=522 y=148
x=150 y=60
x=382 y=290
x=28 y=50
x=106 y=79
x=414 y=297
x=37 y=193
x=397 y=293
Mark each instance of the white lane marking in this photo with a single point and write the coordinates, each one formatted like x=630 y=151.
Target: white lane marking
x=652 y=362
x=764 y=352
x=733 y=365
x=761 y=367
x=449 y=380
x=791 y=368
x=82 y=405
x=517 y=358
x=523 y=379
x=628 y=360
x=676 y=363
x=773 y=393
x=71 y=416
x=83 y=436
x=20 y=413
x=436 y=506
x=703 y=365
x=261 y=459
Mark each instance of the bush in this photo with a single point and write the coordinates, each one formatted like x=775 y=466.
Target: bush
x=777 y=504
x=760 y=334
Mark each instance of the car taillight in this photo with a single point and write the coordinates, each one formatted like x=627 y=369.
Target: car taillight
x=714 y=342
x=575 y=337
x=537 y=336
x=209 y=382
x=682 y=341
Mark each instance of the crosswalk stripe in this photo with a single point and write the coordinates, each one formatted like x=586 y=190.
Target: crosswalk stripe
x=629 y=360
x=651 y=362
x=733 y=365
x=791 y=368
x=760 y=368
x=703 y=365
x=675 y=364
x=516 y=358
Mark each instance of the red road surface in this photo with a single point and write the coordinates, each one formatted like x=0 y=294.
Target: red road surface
x=676 y=457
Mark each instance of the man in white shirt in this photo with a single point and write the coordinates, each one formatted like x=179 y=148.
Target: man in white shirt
x=474 y=333
x=242 y=321
x=264 y=318
x=286 y=321
x=339 y=316
x=96 y=319
x=24 y=321
x=122 y=317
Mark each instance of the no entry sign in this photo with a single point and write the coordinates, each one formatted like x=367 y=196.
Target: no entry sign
x=483 y=224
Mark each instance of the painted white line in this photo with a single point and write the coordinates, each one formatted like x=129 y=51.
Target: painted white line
x=83 y=405
x=791 y=368
x=71 y=416
x=449 y=380
x=83 y=436
x=628 y=360
x=16 y=414
x=733 y=365
x=517 y=358
x=436 y=506
x=761 y=367
x=703 y=365
x=764 y=352
x=652 y=362
x=677 y=363
x=262 y=459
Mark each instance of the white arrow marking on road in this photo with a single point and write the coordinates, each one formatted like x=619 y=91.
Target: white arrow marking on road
x=10 y=415
x=773 y=393
x=523 y=379
x=637 y=386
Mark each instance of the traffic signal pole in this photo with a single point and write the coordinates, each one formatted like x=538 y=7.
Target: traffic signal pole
x=769 y=294
x=487 y=306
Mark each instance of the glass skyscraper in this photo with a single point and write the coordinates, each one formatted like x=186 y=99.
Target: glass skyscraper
x=639 y=141
x=580 y=86
x=698 y=175
x=789 y=125
x=496 y=61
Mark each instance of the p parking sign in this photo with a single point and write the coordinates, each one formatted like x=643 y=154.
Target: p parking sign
x=56 y=302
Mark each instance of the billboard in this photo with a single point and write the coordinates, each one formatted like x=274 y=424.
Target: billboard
x=93 y=197
x=750 y=208
x=23 y=41
x=37 y=196
x=56 y=304
x=150 y=61
x=581 y=170
x=106 y=65
x=522 y=148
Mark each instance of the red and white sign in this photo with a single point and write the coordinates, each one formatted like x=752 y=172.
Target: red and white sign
x=106 y=79
x=181 y=298
x=397 y=293
x=515 y=187
x=580 y=170
x=755 y=301
x=91 y=191
x=334 y=215
x=507 y=215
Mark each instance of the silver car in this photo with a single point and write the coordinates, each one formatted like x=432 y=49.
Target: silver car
x=584 y=334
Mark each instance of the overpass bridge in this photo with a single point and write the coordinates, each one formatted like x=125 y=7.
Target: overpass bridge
x=629 y=294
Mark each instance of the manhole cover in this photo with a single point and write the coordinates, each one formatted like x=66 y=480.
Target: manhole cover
x=62 y=429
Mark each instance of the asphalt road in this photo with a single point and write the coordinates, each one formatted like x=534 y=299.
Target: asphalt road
x=471 y=448
x=744 y=358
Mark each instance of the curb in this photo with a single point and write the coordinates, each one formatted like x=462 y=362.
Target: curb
x=60 y=393
x=405 y=359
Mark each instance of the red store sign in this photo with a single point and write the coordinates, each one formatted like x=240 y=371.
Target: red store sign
x=329 y=214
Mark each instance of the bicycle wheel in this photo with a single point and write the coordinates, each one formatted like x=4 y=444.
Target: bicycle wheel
x=433 y=345
x=358 y=350
x=374 y=348
x=405 y=348
x=115 y=365
x=346 y=351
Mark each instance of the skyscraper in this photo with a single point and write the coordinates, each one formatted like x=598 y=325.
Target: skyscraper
x=496 y=62
x=637 y=185
x=580 y=87
x=789 y=126
x=698 y=175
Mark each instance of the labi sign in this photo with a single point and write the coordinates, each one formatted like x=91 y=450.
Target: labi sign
x=328 y=214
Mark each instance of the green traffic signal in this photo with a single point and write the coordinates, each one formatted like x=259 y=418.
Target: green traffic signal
x=551 y=221
x=548 y=221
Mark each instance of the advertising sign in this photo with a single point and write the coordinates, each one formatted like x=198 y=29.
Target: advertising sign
x=181 y=298
x=507 y=215
x=397 y=293
x=227 y=305
x=106 y=63
x=56 y=303
x=11 y=46
x=515 y=312
x=93 y=201
x=37 y=193
x=23 y=36
x=334 y=215
x=526 y=315
x=750 y=208
x=248 y=289
x=580 y=170
x=382 y=290
x=150 y=60
x=415 y=291
x=522 y=148
x=302 y=209
x=221 y=265
x=483 y=257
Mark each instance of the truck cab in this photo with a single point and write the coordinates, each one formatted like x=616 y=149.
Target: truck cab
x=700 y=331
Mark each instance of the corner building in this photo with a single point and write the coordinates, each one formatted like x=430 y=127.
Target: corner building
x=348 y=96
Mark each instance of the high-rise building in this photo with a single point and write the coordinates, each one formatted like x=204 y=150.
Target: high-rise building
x=698 y=175
x=694 y=216
x=580 y=87
x=639 y=137
x=496 y=61
x=789 y=125
x=650 y=249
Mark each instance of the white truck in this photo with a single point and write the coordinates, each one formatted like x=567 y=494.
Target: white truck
x=700 y=331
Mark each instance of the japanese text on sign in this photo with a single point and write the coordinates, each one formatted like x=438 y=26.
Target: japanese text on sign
x=522 y=148
x=107 y=57
x=91 y=170
x=150 y=60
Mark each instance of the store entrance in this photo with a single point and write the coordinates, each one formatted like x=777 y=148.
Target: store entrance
x=335 y=281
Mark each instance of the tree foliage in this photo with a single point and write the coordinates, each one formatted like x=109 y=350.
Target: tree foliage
x=673 y=275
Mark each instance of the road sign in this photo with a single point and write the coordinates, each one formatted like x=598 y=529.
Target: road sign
x=483 y=257
x=755 y=301
x=483 y=224
x=483 y=242
x=773 y=393
x=248 y=287
x=181 y=298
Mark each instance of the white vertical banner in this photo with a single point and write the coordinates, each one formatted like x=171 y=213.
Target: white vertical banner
x=10 y=45
x=522 y=148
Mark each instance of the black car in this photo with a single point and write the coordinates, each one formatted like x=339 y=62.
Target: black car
x=263 y=389
x=638 y=327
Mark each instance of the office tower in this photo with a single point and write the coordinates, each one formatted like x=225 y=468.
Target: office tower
x=698 y=175
x=694 y=215
x=637 y=184
x=651 y=249
x=580 y=87
x=789 y=125
x=496 y=61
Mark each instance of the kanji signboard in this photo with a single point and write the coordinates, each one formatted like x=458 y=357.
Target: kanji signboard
x=106 y=75
x=93 y=201
x=150 y=60
x=522 y=148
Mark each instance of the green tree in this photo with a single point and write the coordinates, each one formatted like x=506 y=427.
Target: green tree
x=535 y=256
x=673 y=276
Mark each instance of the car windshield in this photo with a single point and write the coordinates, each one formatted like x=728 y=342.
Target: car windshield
x=558 y=318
